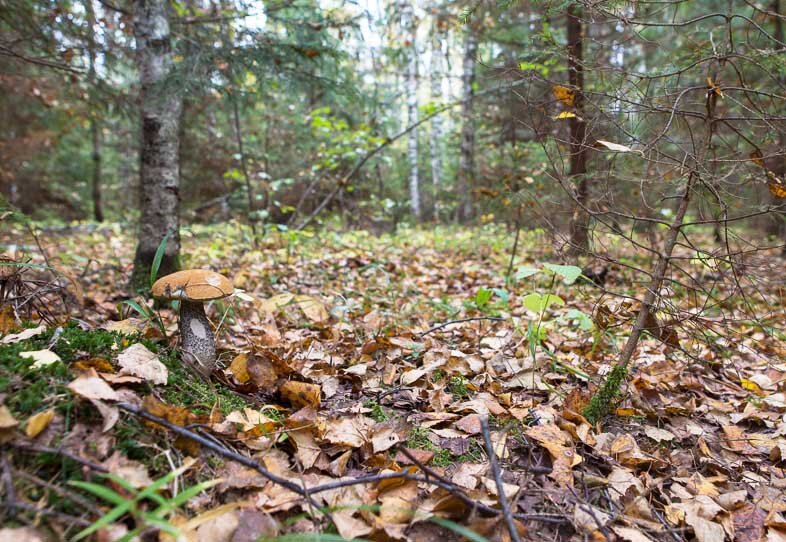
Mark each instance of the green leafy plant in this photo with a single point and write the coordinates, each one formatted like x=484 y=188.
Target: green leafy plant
x=135 y=504
x=142 y=309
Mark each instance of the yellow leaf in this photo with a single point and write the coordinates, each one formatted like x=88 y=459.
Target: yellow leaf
x=39 y=422
x=778 y=189
x=750 y=385
x=564 y=94
x=565 y=115
x=239 y=368
x=301 y=394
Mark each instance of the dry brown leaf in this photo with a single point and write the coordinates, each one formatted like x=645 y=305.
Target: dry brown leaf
x=23 y=335
x=7 y=420
x=300 y=394
x=307 y=449
x=563 y=456
x=137 y=360
x=350 y=431
x=133 y=472
x=90 y=386
x=239 y=368
x=261 y=371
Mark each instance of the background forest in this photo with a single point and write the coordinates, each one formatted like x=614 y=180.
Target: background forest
x=499 y=270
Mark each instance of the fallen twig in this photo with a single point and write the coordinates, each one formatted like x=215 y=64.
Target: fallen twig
x=329 y=486
x=503 y=500
x=58 y=451
x=446 y=324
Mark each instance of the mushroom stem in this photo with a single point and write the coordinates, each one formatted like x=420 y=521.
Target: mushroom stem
x=196 y=336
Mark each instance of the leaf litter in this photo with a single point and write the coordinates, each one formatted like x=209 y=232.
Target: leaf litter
x=333 y=375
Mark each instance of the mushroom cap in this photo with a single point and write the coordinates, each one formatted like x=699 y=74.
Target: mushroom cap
x=193 y=285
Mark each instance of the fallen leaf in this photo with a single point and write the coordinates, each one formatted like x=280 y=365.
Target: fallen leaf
x=43 y=358
x=137 y=360
x=39 y=422
x=657 y=434
x=564 y=457
x=24 y=335
x=7 y=420
x=300 y=394
x=90 y=386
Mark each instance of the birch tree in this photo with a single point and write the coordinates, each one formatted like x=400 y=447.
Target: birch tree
x=160 y=107
x=466 y=171
x=436 y=77
x=409 y=27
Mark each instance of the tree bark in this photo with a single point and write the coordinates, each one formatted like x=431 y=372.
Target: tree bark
x=466 y=172
x=579 y=225
x=244 y=166
x=159 y=157
x=435 y=78
x=777 y=222
x=409 y=26
x=95 y=128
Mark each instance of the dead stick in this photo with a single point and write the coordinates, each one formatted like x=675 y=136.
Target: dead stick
x=210 y=445
x=295 y=488
x=446 y=324
x=503 y=500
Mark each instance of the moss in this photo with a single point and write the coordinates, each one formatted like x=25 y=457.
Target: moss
x=418 y=439
x=378 y=413
x=458 y=387
x=602 y=403
x=187 y=389
x=442 y=458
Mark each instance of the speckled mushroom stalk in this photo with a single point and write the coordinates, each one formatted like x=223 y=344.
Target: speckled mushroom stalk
x=196 y=336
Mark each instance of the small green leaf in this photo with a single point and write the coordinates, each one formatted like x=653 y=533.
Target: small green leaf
x=539 y=303
x=525 y=272
x=585 y=321
x=482 y=297
x=569 y=273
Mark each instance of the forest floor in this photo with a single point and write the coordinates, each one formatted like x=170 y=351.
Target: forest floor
x=343 y=408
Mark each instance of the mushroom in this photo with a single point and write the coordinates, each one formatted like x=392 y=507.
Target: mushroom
x=192 y=288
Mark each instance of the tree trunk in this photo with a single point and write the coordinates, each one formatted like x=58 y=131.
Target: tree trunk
x=466 y=172
x=436 y=123
x=579 y=225
x=159 y=157
x=409 y=26
x=777 y=222
x=95 y=129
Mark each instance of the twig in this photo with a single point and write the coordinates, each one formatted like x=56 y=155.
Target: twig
x=78 y=499
x=446 y=324
x=503 y=500
x=210 y=445
x=58 y=451
x=329 y=486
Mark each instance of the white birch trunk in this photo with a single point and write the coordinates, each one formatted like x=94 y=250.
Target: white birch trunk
x=436 y=122
x=409 y=26
x=466 y=172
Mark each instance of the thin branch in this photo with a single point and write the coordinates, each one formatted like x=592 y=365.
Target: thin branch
x=495 y=471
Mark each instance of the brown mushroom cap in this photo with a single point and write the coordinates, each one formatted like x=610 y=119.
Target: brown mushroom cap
x=193 y=285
